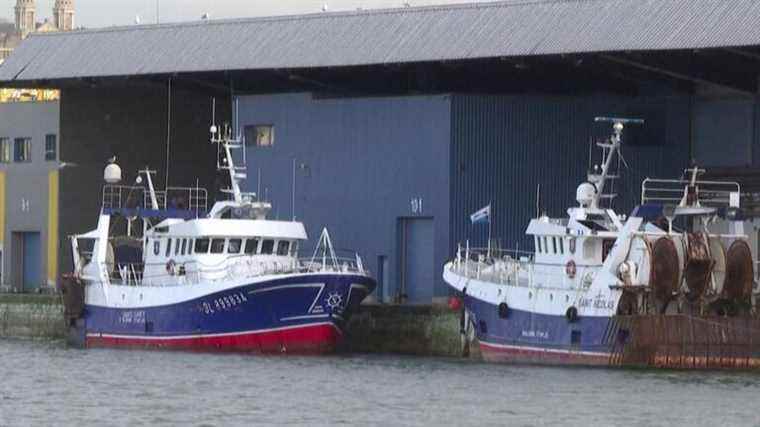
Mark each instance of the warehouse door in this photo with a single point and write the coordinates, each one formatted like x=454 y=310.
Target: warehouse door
x=417 y=266
x=27 y=250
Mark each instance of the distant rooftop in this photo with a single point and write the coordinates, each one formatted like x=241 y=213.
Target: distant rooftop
x=385 y=36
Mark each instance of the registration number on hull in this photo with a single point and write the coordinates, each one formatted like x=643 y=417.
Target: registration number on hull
x=224 y=303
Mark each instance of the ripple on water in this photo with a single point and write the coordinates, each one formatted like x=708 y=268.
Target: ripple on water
x=48 y=384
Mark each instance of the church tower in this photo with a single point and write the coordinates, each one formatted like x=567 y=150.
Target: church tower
x=25 y=19
x=63 y=14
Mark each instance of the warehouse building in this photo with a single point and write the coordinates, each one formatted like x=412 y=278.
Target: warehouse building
x=28 y=195
x=390 y=127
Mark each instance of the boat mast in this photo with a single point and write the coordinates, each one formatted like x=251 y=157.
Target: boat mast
x=151 y=188
x=223 y=138
x=610 y=150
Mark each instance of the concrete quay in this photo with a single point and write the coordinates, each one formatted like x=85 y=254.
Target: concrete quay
x=383 y=329
x=32 y=316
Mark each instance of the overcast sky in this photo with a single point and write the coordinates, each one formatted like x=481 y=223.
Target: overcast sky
x=103 y=13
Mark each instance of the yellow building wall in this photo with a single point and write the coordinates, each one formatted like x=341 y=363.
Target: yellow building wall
x=52 y=236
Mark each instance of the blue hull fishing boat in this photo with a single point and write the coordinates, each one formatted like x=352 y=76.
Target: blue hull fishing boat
x=660 y=287
x=159 y=271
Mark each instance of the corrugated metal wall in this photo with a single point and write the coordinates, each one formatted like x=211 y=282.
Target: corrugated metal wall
x=503 y=147
x=359 y=164
x=724 y=131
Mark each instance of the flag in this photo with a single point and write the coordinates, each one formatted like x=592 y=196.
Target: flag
x=483 y=215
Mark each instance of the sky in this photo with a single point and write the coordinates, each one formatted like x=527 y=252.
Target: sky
x=106 y=13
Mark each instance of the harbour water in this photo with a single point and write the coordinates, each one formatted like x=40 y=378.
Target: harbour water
x=44 y=383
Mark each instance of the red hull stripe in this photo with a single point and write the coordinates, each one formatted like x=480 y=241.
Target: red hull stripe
x=525 y=354
x=302 y=339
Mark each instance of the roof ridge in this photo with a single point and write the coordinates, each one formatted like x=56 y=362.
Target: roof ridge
x=317 y=15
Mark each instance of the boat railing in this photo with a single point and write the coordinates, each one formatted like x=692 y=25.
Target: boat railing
x=675 y=192
x=234 y=267
x=131 y=197
x=122 y=196
x=183 y=198
x=492 y=264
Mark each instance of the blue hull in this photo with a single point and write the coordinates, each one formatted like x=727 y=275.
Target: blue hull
x=526 y=337
x=303 y=314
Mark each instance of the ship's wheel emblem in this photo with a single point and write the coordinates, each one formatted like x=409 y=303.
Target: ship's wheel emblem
x=334 y=300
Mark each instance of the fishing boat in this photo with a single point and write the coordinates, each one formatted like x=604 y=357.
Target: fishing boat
x=670 y=285
x=160 y=271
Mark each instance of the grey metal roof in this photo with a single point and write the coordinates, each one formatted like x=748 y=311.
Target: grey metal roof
x=467 y=31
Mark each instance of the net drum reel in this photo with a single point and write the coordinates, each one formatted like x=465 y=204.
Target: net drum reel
x=698 y=267
x=718 y=255
x=739 y=276
x=654 y=266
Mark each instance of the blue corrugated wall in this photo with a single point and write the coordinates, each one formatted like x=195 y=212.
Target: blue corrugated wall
x=361 y=161
x=503 y=147
x=359 y=164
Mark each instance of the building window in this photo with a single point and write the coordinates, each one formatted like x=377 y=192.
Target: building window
x=259 y=135
x=22 y=150
x=51 y=147
x=5 y=150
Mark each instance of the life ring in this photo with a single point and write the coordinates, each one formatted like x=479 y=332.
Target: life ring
x=572 y=314
x=570 y=269
x=171 y=267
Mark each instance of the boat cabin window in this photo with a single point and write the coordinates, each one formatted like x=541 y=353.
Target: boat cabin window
x=184 y=246
x=190 y=246
x=546 y=245
x=85 y=247
x=283 y=247
x=267 y=247
x=201 y=246
x=251 y=246
x=177 y=247
x=217 y=246
x=233 y=247
x=593 y=226
x=168 y=247
x=607 y=245
x=561 y=245
x=156 y=247
x=538 y=244
x=554 y=244
x=294 y=248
